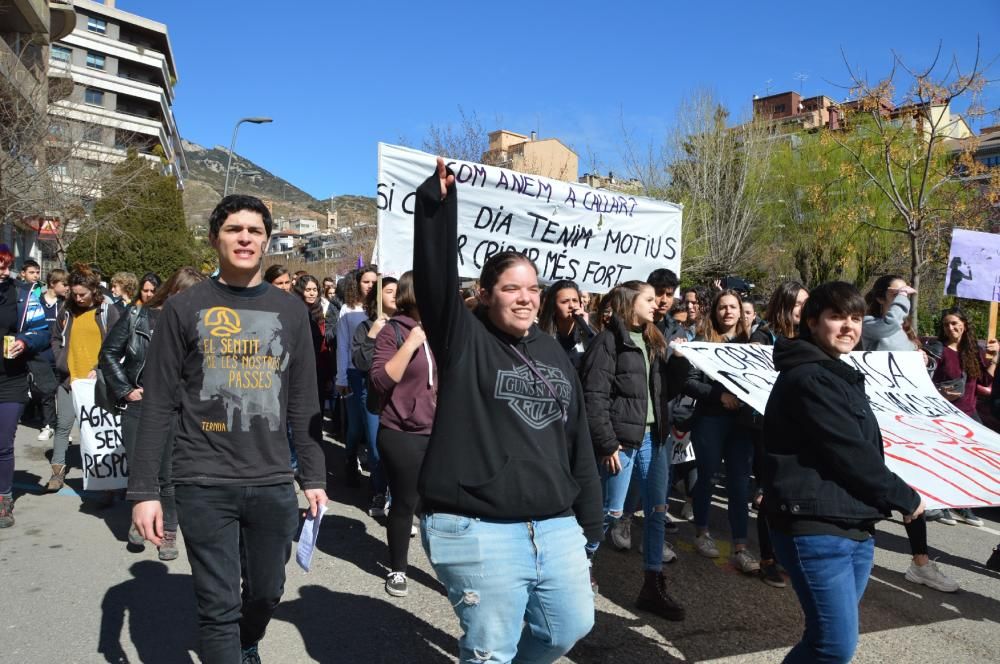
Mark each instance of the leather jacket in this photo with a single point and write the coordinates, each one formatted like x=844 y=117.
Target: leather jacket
x=123 y=353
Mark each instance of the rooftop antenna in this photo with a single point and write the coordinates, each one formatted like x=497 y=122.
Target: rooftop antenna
x=801 y=77
x=767 y=87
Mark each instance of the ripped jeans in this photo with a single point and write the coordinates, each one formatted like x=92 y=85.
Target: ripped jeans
x=649 y=468
x=521 y=590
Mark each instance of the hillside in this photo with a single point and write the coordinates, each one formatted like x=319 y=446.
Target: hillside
x=206 y=181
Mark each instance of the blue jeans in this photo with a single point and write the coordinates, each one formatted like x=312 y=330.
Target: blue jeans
x=829 y=574
x=521 y=590
x=649 y=468
x=232 y=534
x=716 y=437
x=357 y=418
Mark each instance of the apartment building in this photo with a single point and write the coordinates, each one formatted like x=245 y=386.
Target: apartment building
x=123 y=72
x=547 y=157
x=27 y=29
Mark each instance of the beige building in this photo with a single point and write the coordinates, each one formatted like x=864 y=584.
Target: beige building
x=123 y=72
x=547 y=157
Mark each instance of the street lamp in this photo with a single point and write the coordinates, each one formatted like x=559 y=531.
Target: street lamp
x=232 y=146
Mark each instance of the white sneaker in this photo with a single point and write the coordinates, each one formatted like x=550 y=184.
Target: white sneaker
x=669 y=555
x=930 y=576
x=705 y=546
x=621 y=533
x=413 y=531
x=687 y=512
x=744 y=561
x=45 y=433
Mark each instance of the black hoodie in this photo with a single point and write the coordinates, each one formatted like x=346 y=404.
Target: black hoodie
x=824 y=471
x=502 y=446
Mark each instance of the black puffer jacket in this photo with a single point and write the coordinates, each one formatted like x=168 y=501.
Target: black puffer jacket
x=123 y=353
x=824 y=459
x=613 y=373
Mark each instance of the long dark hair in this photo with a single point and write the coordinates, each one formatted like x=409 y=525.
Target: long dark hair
x=621 y=301
x=781 y=307
x=968 y=347
x=406 y=297
x=375 y=294
x=180 y=280
x=547 y=312
x=874 y=308
x=316 y=308
x=709 y=328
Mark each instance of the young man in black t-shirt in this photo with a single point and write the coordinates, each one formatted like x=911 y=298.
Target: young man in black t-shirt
x=232 y=362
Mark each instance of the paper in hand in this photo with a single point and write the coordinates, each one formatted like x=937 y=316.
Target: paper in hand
x=307 y=539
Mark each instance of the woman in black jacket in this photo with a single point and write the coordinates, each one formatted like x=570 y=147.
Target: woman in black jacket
x=121 y=361
x=625 y=390
x=562 y=315
x=509 y=484
x=825 y=479
x=719 y=431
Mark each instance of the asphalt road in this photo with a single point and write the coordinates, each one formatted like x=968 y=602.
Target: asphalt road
x=73 y=592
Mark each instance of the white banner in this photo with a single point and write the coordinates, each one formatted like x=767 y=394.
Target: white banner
x=950 y=459
x=597 y=238
x=102 y=453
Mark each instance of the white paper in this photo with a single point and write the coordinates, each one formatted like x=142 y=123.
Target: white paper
x=307 y=539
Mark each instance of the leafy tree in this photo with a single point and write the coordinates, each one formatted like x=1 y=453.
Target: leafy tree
x=906 y=143
x=139 y=227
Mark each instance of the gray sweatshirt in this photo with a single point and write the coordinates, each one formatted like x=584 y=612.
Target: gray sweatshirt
x=886 y=332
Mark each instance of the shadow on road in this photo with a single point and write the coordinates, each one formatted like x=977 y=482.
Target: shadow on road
x=160 y=620
x=339 y=627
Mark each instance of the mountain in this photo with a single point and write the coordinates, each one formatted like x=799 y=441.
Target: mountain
x=207 y=178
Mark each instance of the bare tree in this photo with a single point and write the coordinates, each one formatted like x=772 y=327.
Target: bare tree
x=466 y=140
x=719 y=172
x=906 y=141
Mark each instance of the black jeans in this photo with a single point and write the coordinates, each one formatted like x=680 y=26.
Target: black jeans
x=234 y=533
x=130 y=437
x=43 y=389
x=402 y=454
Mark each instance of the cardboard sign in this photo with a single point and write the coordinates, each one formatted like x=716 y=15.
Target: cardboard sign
x=597 y=238
x=946 y=456
x=105 y=467
x=973 y=270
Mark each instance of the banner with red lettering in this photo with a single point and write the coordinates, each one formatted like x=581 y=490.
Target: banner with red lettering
x=105 y=467
x=949 y=458
x=596 y=237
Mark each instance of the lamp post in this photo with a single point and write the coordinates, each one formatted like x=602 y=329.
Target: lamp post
x=232 y=146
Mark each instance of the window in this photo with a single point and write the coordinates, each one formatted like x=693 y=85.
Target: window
x=60 y=53
x=94 y=97
x=92 y=133
x=95 y=60
x=97 y=25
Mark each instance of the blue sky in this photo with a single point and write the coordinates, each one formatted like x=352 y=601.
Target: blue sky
x=338 y=77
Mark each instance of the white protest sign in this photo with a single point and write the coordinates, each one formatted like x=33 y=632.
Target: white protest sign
x=105 y=467
x=973 y=266
x=595 y=237
x=950 y=459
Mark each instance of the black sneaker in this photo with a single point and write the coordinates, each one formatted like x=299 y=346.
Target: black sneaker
x=770 y=575
x=352 y=477
x=250 y=655
x=395 y=584
x=378 y=505
x=994 y=562
x=669 y=526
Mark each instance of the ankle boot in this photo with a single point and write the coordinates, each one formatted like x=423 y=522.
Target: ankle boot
x=168 y=548
x=654 y=598
x=58 y=478
x=6 y=511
